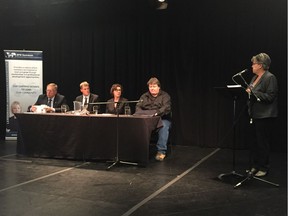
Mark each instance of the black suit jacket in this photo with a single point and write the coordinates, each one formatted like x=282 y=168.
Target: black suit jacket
x=111 y=109
x=58 y=101
x=92 y=99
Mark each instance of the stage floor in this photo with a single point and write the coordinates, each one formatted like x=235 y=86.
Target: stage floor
x=185 y=184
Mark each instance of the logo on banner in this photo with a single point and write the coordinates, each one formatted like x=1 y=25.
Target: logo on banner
x=10 y=54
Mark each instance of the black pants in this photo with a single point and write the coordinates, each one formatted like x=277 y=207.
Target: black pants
x=260 y=148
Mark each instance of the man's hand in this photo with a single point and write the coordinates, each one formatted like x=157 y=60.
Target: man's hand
x=33 y=108
x=49 y=109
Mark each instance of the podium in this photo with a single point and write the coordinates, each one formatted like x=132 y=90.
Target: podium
x=236 y=91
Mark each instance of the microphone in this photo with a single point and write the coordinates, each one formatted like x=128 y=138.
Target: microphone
x=240 y=73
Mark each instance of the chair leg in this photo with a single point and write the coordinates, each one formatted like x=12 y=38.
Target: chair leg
x=170 y=144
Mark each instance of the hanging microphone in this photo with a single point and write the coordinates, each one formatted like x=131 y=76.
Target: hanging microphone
x=240 y=73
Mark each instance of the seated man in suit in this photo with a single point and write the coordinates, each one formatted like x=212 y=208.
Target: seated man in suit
x=158 y=102
x=52 y=99
x=86 y=98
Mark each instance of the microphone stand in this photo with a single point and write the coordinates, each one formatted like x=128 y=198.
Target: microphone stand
x=247 y=86
x=251 y=175
x=117 y=160
x=233 y=172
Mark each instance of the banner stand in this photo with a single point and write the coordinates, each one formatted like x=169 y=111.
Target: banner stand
x=24 y=82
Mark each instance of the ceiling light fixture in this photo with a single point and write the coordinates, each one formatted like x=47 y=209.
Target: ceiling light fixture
x=162 y=5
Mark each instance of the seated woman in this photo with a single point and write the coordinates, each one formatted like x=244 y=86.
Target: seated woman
x=119 y=101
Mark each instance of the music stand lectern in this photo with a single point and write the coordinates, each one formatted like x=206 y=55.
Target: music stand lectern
x=117 y=160
x=234 y=91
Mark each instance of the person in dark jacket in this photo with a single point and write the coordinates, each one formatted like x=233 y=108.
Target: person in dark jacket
x=117 y=102
x=87 y=97
x=158 y=103
x=263 y=110
x=52 y=99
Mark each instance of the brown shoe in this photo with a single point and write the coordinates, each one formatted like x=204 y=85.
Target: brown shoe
x=160 y=156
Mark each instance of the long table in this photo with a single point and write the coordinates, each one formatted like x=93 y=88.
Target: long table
x=86 y=137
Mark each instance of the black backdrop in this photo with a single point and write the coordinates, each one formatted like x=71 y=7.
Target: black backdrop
x=192 y=47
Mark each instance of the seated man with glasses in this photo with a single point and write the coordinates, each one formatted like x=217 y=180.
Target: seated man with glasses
x=52 y=99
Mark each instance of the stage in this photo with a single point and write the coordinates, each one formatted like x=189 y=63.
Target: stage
x=185 y=183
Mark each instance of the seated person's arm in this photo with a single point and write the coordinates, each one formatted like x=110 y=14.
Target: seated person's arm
x=165 y=109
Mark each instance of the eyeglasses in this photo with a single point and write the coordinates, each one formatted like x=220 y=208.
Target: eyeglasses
x=153 y=86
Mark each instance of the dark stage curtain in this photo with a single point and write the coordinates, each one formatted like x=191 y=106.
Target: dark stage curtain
x=192 y=47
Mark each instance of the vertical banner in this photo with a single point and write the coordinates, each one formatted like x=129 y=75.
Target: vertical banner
x=24 y=82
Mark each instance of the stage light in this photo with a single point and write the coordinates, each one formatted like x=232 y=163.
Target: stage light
x=162 y=5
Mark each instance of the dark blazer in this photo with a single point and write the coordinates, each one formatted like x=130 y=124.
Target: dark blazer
x=58 y=101
x=92 y=99
x=111 y=109
x=267 y=91
x=160 y=104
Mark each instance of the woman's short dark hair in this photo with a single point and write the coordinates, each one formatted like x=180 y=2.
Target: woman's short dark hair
x=262 y=58
x=114 y=87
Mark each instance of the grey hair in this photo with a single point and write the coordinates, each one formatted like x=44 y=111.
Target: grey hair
x=262 y=58
x=54 y=85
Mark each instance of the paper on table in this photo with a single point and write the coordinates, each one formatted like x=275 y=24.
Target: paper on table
x=40 y=108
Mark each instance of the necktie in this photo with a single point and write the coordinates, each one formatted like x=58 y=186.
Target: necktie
x=85 y=101
x=49 y=102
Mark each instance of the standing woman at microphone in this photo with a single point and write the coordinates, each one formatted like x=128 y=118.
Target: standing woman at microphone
x=263 y=110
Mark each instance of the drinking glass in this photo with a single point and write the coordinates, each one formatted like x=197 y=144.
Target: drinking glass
x=64 y=108
x=95 y=110
x=77 y=107
x=127 y=110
